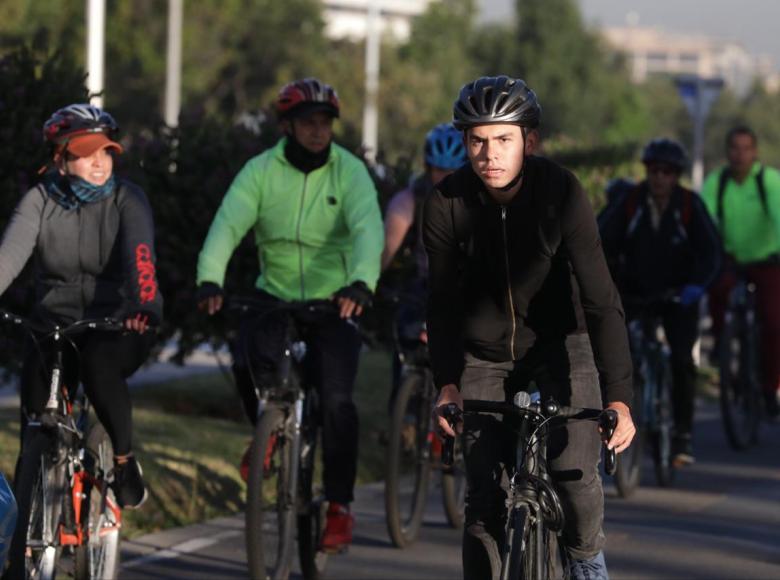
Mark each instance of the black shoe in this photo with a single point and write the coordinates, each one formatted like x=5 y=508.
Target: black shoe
x=129 y=485
x=682 y=450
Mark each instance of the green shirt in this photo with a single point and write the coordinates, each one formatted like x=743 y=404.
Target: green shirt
x=315 y=232
x=749 y=233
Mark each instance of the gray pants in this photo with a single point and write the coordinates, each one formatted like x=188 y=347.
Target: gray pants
x=564 y=370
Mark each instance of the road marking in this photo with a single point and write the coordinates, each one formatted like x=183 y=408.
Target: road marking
x=179 y=550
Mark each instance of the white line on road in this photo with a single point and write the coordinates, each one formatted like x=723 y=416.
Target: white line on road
x=182 y=549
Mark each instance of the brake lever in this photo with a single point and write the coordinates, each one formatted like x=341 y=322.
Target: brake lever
x=608 y=424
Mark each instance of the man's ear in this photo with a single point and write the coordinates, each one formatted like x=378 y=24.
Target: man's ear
x=532 y=142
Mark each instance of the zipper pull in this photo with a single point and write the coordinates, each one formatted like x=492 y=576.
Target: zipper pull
x=503 y=213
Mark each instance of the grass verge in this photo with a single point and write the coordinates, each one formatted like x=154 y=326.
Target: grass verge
x=190 y=435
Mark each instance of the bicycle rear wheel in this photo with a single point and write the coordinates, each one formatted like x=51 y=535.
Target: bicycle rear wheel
x=270 y=510
x=98 y=559
x=408 y=460
x=740 y=396
x=40 y=487
x=453 y=489
x=311 y=513
x=664 y=425
x=628 y=473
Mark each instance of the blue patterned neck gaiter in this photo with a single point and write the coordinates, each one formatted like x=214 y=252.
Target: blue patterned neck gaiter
x=86 y=192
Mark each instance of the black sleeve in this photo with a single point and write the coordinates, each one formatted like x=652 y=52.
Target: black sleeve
x=706 y=244
x=600 y=300
x=612 y=228
x=445 y=311
x=138 y=254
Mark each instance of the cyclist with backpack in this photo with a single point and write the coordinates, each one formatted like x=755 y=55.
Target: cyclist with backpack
x=662 y=246
x=743 y=199
x=404 y=254
x=316 y=220
x=519 y=291
x=91 y=234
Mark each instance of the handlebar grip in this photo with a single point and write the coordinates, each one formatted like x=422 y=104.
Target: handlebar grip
x=452 y=413
x=608 y=424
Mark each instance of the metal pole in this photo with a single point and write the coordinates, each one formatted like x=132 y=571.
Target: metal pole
x=697 y=174
x=370 y=115
x=173 y=64
x=96 y=32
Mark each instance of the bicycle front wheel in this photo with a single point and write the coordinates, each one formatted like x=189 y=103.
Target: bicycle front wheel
x=311 y=512
x=527 y=556
x=40 y=487
x=98 y=559
x=408 y=460
x=270 y=510
x=740 y=397
x=662 y=434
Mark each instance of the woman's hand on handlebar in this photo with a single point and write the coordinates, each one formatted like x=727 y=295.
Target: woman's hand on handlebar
x=210 y=298
x=447 y=395
x=625 y=430
x=137 y=322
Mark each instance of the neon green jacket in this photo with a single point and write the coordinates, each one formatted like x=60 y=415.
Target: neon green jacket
x=315 y=233
x=750 y=234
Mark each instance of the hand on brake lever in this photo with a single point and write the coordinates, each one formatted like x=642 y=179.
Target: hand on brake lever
x=449 y=394
x=625 y=430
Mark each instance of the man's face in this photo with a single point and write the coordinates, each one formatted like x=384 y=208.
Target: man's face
x=662 y=178
x=313 y=131
x=741 y=152
x=496 y=153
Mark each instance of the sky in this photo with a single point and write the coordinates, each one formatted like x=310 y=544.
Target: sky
x=754 y=23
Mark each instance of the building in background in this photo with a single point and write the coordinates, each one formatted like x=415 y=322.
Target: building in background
x=348 y=18
x=652 y=51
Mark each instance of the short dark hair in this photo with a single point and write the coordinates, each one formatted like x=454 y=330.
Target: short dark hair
x=740 y=130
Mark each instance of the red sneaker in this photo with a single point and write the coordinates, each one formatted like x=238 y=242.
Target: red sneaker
x=338 y=528
x=269 y=452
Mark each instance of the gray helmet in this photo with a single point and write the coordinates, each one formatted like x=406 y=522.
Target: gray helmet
x=494 y=100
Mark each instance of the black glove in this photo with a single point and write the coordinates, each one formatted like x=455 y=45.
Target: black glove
x=358 y=292
x=208 y=290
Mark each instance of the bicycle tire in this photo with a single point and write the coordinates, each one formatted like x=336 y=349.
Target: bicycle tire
x=628 y=473
x=40 y=487
x=98 y=558
x=527 y=556
x=740 y=402
x=408 y=457
x=270 y=501
x=311 y=514
x=453 y=489
x=662 y=434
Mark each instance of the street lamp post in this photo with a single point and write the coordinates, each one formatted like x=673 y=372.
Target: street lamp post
x=173 y=63
x=370 y=114
x=96 y=32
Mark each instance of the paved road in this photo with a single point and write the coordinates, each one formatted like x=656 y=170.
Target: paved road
x=720 y=521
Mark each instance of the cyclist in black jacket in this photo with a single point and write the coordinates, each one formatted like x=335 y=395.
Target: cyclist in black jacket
x=661 y=243
x=519 y=290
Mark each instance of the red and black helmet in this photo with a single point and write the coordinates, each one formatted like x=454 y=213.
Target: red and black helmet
x=75 y=120
x=306 y=96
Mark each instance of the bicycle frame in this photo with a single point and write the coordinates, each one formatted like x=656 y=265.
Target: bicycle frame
x=648 y=352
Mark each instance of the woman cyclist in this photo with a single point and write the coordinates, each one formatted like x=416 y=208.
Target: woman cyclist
x=92 y=238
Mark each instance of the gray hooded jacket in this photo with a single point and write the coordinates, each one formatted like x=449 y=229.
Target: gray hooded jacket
x=95 y=260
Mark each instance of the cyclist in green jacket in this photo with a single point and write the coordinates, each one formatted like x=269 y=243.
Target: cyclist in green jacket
x=744 y=200
x=316 y=220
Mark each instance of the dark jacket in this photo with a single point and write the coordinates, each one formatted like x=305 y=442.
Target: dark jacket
x=646 y=262
x=91 y=261
x=504 y=277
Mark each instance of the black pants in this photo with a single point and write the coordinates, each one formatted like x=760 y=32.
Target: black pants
x=103 y=363
x=681 y=326
x=331 y=363
x=566 y=371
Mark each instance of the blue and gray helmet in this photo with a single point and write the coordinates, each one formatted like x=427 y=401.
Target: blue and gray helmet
x=444 y=147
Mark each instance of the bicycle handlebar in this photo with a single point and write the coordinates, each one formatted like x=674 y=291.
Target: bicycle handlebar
x=550 y=409
x=246 y=303
x=106 y=323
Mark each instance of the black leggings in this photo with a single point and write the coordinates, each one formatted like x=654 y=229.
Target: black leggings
x=103 y=362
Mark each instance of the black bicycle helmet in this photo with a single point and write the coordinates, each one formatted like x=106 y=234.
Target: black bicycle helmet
x=494 y=100
x=664 y=150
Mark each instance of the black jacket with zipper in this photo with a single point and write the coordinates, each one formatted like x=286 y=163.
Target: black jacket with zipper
x=503 y=277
